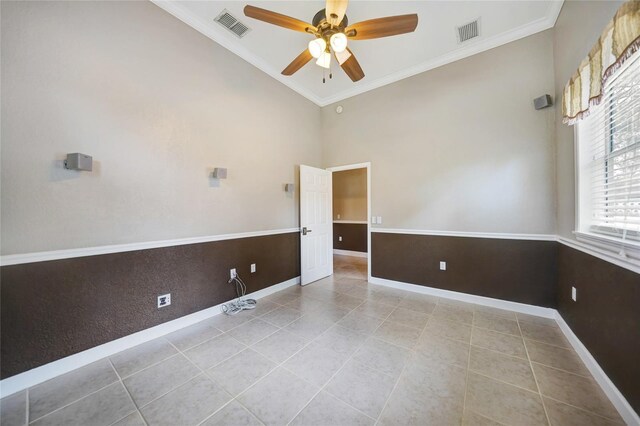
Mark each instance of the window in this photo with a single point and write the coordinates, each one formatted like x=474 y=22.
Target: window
x=609 y=166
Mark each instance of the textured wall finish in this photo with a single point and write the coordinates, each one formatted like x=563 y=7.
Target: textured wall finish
x=354 y=236
x=50 y=310
x=515 y=270
x=158 y=106
x=606 y=315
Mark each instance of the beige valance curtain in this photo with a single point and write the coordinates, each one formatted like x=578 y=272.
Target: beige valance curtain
x=619 y=40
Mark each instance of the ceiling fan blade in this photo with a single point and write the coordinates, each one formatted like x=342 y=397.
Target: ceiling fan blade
x=335 y=10
x=277 y=19
x=382 y=27
x=300 y=61
x=352 y=67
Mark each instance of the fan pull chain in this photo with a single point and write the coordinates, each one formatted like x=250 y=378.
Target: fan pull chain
x=323 y=79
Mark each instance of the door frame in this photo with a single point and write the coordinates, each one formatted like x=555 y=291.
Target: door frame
x=366 y=165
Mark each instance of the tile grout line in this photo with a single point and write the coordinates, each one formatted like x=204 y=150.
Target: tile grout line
x=137 y=410
x=337 y=372
x=583 y=409
x=535 y=378
x=395 y=385
x=468 y=372
x=74 y=401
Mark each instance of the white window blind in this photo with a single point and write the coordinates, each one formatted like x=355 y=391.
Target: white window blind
x=609 y=143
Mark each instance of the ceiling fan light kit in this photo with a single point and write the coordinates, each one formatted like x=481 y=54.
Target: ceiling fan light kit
x=331 y=28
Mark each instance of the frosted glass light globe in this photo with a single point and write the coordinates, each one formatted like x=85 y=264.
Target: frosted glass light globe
x=338 y=42
x=316 y=47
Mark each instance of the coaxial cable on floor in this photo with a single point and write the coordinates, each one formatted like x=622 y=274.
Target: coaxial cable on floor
x=239 y=304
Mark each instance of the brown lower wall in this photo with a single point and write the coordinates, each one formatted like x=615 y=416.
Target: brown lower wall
x=516 y=270
x=53 y=309
x=354 y=236
x=605 y=316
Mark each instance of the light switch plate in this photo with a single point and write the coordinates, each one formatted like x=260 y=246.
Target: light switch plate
x=443 y=265
x=253 y=268
x=374 y=220
x=340 y=238
x=574 y=294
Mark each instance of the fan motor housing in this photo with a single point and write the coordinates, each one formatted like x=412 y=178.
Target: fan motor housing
x=320 y=21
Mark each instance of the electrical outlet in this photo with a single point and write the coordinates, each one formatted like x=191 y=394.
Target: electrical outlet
x=340 y=238
x=574 y=293
x=164 y=300
x=253 y=268
x=443 y=266
x=374 y=220
x=338 y=215
x=233 y=273
x=379 y=220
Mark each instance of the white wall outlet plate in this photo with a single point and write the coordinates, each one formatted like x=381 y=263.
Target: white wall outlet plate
x=340 y=238
x=574 y=294
x=379 y=220
x=443 y=265
x=164 y=300
x=233 y=273
x=338 y=215
x=253 y=268
x=374 y=220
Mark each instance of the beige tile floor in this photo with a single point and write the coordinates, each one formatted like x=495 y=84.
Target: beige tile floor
x=337 y=352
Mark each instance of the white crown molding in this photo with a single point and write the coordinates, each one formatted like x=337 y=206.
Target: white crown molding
x=494 y=235
x=16 y=259
x=548 y=21
x=53 y=369
x=175 y=8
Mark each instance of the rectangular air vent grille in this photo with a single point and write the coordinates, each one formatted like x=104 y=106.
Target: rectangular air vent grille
x=468 y=31
x=228 y=21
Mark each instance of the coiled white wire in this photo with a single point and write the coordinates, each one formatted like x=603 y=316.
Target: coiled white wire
x=239 y=304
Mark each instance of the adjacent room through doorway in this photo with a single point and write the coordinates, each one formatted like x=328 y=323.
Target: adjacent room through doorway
x=350 y=222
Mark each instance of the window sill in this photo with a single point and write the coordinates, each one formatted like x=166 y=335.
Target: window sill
x=626 y=251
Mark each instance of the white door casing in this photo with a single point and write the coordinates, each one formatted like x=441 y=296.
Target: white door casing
x=316 y=233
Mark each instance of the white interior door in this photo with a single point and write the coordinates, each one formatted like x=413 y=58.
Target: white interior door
x=316 y=240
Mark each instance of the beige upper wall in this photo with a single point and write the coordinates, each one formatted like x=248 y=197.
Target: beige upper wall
x=157 y=105
x=577 y=29
x=350 y=195
x=458 y=148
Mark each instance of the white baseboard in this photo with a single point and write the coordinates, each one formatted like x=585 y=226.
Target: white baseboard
x=48 y=371
x=469 y=298
x=615 y=396
x=350 y=253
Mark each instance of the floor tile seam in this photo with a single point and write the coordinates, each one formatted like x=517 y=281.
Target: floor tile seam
x=323 y=387
x=137 y=410
x=582 y=376
x=208 y=340
x=166 y=337
x=500 y=332
x=224 y=406
x=466 y=378
x=602 y=416
x=73 y=402
x=547 y=343
x=123 y=378
x=535 y=378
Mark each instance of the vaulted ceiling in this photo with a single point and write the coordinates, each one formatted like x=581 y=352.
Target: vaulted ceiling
x=386 y=60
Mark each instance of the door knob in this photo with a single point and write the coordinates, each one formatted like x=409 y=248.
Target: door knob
x=305 y=231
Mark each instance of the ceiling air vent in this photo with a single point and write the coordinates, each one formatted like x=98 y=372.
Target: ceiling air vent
x=468 y=31
x=228 y=21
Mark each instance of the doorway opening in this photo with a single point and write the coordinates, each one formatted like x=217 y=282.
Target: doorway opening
x=351 y=205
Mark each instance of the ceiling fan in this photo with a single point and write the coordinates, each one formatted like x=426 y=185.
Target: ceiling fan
x=331 y=28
